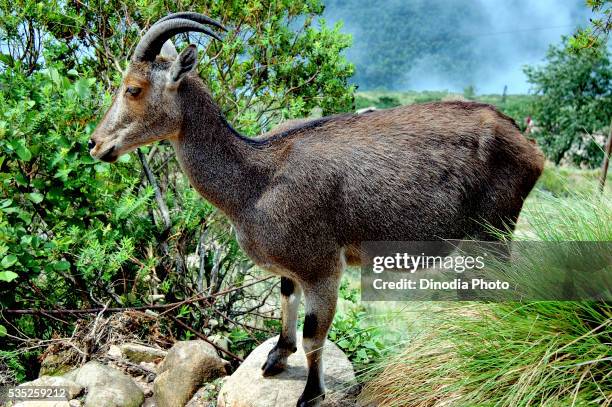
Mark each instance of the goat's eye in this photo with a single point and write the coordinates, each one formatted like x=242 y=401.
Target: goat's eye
x=133 y=90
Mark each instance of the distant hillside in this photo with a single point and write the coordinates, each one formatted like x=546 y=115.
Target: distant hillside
x=451 y=44
x=515 y=106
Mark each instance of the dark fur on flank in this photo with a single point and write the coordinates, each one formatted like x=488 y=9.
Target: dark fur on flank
x=304 y=197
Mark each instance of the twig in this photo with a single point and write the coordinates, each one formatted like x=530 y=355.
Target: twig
x=150 y=374
x=202 y=253
x=606 y=161
x=163 y=208
x=199 y=297
x=166 y=307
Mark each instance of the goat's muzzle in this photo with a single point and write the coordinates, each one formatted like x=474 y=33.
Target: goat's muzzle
x=109 y=156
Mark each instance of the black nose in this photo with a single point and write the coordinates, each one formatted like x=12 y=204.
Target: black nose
x=91 y=144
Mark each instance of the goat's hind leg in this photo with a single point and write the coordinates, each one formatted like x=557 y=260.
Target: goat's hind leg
x=320 y=299
x=291 y=293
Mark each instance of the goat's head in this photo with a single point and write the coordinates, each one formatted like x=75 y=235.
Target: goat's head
x=146 y=106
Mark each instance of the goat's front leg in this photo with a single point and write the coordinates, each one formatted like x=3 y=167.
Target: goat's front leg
x=291 y=293
x=320 y=299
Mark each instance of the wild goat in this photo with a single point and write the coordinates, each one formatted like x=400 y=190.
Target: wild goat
x=304 y=198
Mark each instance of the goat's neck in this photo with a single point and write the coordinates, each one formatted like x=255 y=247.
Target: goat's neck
x=221 y=165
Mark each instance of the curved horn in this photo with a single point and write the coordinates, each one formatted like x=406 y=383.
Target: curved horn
x=151 y=43
x=190 y=15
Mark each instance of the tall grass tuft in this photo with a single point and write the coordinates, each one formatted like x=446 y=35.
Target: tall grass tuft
x=512 y=354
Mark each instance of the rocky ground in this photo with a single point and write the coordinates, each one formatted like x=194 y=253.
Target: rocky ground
x=137 y=375
x=190 y=373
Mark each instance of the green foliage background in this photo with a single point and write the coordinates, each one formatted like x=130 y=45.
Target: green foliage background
x=573 y=101
x=77 y=233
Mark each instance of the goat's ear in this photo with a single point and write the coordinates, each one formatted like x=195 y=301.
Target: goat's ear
x=168 y=51
x=182 y=65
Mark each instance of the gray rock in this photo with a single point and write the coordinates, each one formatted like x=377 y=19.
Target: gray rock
x=114 y=351
x=73 y=388
x=248 y=388
x=106 y=387
x=137 y=353
x=220 y=340
x=187 y=366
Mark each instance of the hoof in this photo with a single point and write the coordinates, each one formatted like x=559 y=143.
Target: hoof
x=276 y=362
x=272 y=367
x=310 y=400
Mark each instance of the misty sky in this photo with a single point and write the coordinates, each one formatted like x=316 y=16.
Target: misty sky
x=505 y=34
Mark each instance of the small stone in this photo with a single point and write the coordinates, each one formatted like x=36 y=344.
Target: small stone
x=140 y=353
x=156 y=298
x=149 y=366
x=220 y=340
x=114 y=351
x=145 y=385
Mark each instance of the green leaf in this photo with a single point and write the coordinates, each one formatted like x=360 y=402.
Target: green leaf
x=6 y=59
x=8 y=261
x=8 y=276
x=82 y=88
x=36 y=197
x=102 y=167
x=21 y=179
x=343 y=343
x=22 y=151
x=55 y=77
x=2 y=331
x=62 y=265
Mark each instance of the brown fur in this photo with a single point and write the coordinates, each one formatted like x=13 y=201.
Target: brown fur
x=303 y=197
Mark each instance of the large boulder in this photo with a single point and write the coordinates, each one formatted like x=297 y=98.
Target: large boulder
x=106 y=387
x=248 y=388
x=187 y=366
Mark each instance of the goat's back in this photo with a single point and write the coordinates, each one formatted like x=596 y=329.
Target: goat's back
x=418 y=172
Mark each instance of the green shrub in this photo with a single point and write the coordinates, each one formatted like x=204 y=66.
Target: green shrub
x=469 y=92
x=350 y=330
x=573 y=104
x=385 y=102
x=69 y=226
x=427 y=97
x=569 y=181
